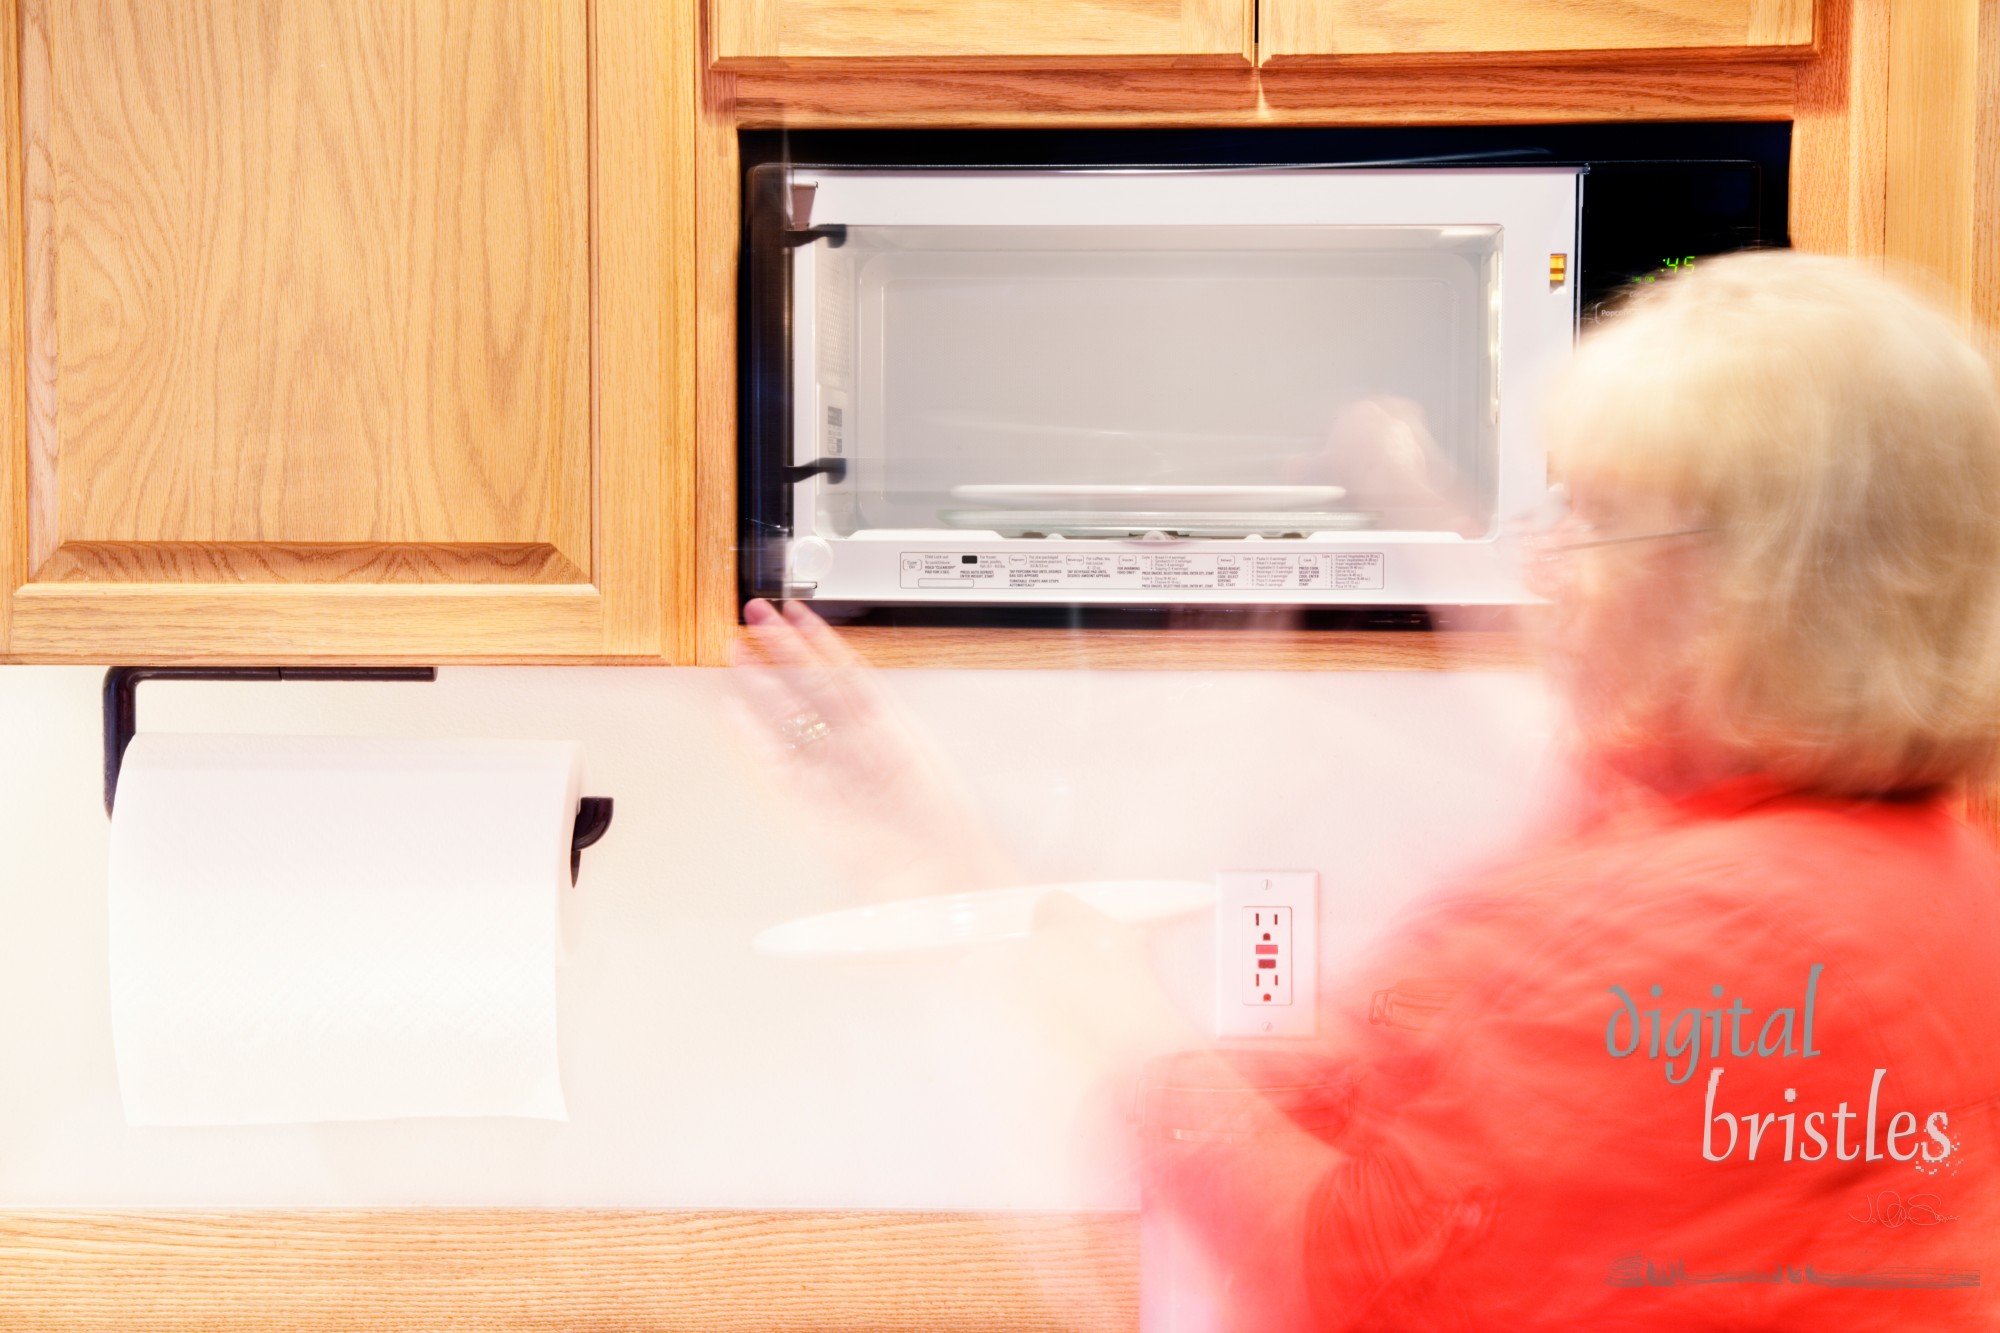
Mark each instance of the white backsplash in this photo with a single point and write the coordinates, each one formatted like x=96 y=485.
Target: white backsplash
x=699 y=1074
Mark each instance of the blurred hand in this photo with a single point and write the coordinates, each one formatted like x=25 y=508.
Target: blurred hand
x=885 y=806
x=889 y=812
x=1382 y=451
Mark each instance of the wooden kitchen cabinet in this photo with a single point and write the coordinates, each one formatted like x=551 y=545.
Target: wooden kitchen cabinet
x=758 y=34
x=344 y=330
x=1305 y=31
x=771 y=35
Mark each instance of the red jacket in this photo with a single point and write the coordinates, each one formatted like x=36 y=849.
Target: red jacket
x=1519 y=1157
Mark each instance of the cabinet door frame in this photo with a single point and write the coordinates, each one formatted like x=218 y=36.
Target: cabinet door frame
x=620 y=606
x=751 y=35
x=1292 y=35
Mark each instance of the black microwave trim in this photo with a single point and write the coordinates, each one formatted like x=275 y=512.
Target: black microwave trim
x=1654 y=193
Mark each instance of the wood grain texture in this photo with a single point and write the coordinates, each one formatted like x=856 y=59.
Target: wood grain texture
x=1941 y=184
x=642 y=104
x=580 y=1272
x=1840 y=134
x=272 y=562
x=38 y=325
x=1514 y=92
x=274 y=623
x=751 y=34
x=1192 y=649
x=1928 y=224
x=717 y=201
x=1779 y=22
x=687 y=59
x=1985 y=273
x=14 y=555
x=320 y=271
x=1308 y=29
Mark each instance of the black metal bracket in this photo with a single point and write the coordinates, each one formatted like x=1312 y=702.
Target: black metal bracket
x=834 y=468
x=121 y=721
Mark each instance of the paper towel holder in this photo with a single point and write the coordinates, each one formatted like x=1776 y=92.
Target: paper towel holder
x=121 y=720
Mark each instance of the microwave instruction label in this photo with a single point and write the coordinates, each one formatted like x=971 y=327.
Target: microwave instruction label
x=1145 y=571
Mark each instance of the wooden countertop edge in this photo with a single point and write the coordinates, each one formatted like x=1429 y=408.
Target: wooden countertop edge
x=575 y=1270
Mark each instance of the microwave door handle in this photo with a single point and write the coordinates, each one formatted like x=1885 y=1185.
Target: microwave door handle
x=834 y=469
x=833 y=233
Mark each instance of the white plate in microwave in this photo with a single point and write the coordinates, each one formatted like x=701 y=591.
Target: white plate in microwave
x=1084 y=496
x=1217 y=523
x=952 y=920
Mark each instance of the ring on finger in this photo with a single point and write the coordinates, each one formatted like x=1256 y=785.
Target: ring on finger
x=803 y=729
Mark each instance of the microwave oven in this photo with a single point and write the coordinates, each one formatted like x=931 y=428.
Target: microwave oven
x=996 y=385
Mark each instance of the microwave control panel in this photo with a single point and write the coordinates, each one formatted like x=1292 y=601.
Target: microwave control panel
x=971 y=571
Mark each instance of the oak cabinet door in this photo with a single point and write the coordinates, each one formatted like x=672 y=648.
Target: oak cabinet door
x=1304 y=29
x=756 y=34
x=307 y=334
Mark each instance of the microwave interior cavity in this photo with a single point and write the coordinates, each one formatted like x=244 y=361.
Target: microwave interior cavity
x=1114 y=382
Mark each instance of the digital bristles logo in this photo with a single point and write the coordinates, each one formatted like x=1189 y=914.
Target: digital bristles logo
x=1842 y=1134
x=1785 y=1033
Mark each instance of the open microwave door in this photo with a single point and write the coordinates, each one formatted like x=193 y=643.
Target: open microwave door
x=1273 y=386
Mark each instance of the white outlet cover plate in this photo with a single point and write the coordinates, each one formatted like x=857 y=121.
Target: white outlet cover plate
x=1239 y=1008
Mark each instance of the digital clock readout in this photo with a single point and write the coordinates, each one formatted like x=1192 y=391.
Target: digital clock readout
x=1667 y=266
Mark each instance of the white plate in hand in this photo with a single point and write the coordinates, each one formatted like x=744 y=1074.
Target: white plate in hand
x=1150 y=497
x=954 y=919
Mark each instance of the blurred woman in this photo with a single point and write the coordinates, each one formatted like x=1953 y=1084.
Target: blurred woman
x=1720 y=1054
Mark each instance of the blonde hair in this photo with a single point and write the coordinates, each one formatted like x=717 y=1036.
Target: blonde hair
x=1842 y=438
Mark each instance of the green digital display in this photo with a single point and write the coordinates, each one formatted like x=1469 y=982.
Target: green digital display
x=1667 y=266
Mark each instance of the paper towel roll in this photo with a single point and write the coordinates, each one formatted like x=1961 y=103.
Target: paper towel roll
x=337 y=928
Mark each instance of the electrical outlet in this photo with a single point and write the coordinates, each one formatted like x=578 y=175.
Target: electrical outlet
x=1266 y=930
x=1267 y=973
